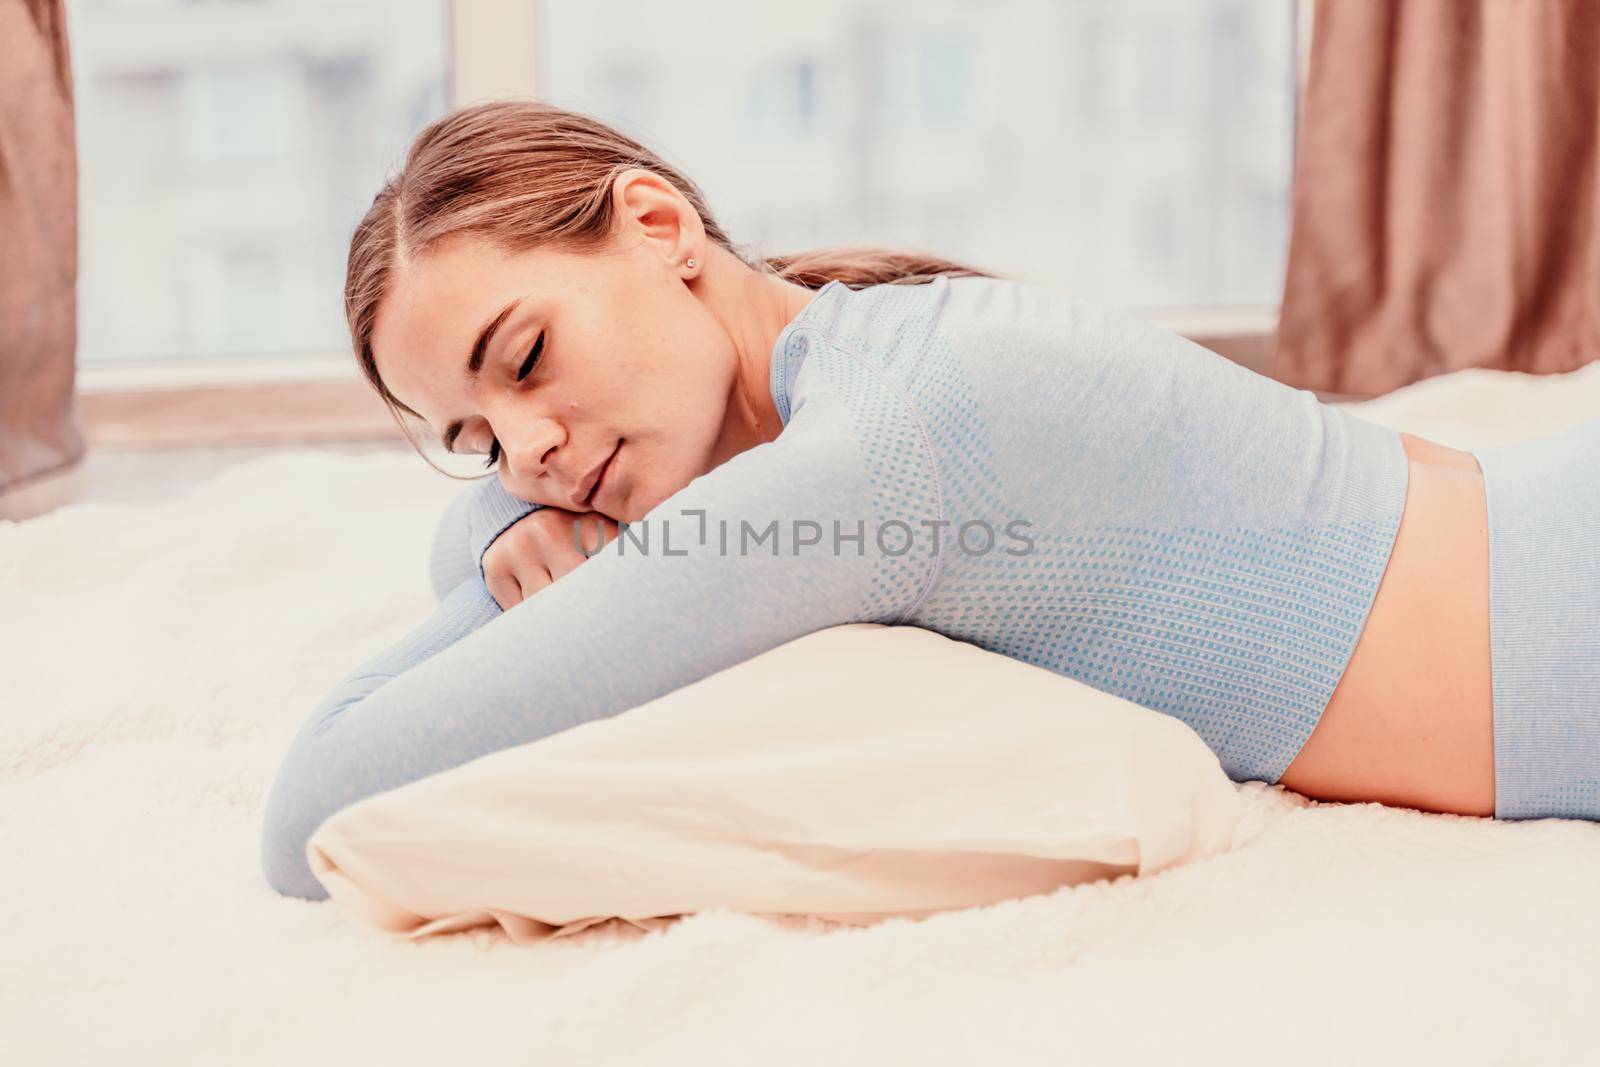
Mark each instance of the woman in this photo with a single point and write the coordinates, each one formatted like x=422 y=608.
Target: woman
x=773 y=448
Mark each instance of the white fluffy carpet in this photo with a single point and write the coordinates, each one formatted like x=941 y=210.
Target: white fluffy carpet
x=157 y=661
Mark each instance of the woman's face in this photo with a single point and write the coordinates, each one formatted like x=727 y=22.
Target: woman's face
x=569 y=367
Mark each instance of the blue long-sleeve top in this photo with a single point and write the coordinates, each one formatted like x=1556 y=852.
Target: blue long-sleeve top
x=994 y=460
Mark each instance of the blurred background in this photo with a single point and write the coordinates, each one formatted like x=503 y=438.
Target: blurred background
x=199 y=165
x=226 y=148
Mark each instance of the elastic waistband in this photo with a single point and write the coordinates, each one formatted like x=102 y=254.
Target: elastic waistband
x=1543 y=499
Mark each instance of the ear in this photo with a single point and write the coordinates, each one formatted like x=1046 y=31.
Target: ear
x=650 y=207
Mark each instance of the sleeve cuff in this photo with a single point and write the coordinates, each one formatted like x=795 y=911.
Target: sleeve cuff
x=493 y=510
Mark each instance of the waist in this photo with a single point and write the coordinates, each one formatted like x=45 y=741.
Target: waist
x=1411 y=721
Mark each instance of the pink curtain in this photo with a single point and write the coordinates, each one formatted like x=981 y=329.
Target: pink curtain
x=1445 y=193
x=38 y=243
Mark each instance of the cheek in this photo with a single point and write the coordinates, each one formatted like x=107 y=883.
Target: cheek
x=673 y=445
x=678 y=401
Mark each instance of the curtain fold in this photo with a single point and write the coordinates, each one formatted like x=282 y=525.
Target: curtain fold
x=1445 y=193
x=38 y=243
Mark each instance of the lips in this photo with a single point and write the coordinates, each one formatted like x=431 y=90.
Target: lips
x=591 y=484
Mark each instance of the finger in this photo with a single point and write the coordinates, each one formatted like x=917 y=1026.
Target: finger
x=550 y=547
x=527 y=564
x=533 y=578
x=562 y=557
x=505 y=589
x=530 y=561
x=593 y=531
x=590 y=533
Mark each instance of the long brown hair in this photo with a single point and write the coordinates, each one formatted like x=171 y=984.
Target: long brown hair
x=527 y=174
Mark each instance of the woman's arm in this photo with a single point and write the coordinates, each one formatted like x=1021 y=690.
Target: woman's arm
x=625 y=627
x=475 y=518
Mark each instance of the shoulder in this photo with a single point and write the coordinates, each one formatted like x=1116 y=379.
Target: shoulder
x=991 y=326
x=884 y=317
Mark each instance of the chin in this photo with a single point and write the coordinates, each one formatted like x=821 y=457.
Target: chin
x=635 y=508
x=644 y=495
x=641 y=500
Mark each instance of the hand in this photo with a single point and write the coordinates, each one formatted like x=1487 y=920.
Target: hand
x=539 y=548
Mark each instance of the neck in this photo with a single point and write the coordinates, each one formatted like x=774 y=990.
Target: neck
x=753 y=309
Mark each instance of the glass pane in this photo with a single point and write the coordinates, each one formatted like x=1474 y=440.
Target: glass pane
x=226 y=150
x=1134 y=151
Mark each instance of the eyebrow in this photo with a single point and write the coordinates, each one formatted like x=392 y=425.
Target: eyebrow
x=480 y=349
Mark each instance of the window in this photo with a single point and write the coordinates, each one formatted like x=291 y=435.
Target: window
x=1136 y=152
x=226 y=150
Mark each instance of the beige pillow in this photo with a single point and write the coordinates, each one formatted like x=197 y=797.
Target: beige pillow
x=857 y=773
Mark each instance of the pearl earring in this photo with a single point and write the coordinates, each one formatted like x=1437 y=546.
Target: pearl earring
x=691 y=263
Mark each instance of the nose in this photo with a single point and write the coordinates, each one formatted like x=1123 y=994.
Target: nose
x=528 y=446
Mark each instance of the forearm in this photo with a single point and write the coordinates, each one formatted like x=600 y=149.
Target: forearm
x=461 y=611
x=617 y=631
x=450 y=561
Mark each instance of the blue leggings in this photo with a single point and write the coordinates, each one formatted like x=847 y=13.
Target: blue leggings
x=1544 y=622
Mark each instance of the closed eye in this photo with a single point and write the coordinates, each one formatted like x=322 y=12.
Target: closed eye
x=533 y=358
x=522 y=372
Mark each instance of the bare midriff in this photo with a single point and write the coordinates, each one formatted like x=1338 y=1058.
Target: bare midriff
x=1411 y=722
